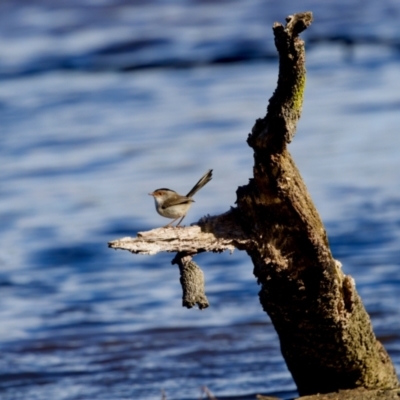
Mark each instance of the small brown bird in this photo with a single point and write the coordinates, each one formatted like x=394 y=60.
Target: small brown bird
x=170 y=204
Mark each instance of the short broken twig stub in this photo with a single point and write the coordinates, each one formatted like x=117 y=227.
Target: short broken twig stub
x=192 y=282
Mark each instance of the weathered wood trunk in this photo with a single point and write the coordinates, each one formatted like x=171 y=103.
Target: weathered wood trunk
x=325 y=333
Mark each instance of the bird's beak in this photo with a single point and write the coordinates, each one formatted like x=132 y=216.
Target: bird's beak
x=150 y=194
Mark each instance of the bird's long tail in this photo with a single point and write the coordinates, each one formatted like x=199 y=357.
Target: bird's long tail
x=203 y=181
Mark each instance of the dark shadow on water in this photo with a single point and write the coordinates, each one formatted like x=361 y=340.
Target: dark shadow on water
x=77 y=256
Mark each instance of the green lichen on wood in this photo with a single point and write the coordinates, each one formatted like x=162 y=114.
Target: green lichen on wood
x=298 y=95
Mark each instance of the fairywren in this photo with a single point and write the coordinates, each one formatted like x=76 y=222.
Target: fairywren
x=170 y=204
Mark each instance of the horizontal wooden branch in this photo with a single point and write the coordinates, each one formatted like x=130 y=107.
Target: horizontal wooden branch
x=215 y=234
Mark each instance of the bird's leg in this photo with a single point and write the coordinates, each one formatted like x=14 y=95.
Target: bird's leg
x=180 y=220
x=168 y=225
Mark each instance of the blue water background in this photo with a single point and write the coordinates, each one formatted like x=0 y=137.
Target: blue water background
x=101 y=102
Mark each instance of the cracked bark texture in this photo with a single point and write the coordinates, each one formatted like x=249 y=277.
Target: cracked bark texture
x=325 y=333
